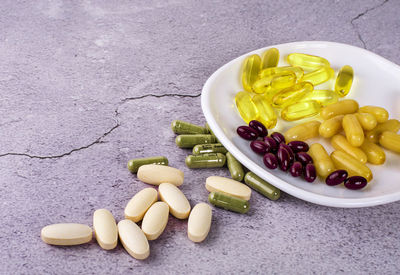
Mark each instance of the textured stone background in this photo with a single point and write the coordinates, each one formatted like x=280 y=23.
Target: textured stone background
x=87 y=85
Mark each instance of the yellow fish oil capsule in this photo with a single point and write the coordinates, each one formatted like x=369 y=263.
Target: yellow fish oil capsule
x=331 y=127
x=379 y=113
x=299 y=72
x=303 y=131
x=307 y=62
x=390 y=141
x=275 y=82
x=351 y=165
x=344 y=80
x=319 y=76
x=374 y=152
x=270 y=58
x=322 y=161
x=343 y=107
x=292 y=94
x=301 y=110
x=367 y=121
x=324 y=97
x=266 y=114
x=246 y=107
x=392 y=125
x=340 y=143
x=353 y=130
x=250 y=69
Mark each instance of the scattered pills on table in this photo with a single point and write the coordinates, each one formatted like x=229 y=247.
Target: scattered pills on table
x=179 y=206
x=303 y=131
x=105 y=229
x=307 y=62
x=344 y=80
x=261 y=186
x=322 y=161
x=392 y=125
x=339 y=142
x=134 y=164
x=319 y=76
x=250 y=69
x=133 y=239
x=246 y=107
x=155 y=220
x=390 y=141
x=270 y=58
x=343 y=107
x=66 y=234
x=199 y=222
x=189 y=141
x=367 y=121
x=301 y=110
x=183 y=127
x=374 y=152
x=228 y=202
x=351 y=165
x=157 y=174
x=228 y=186
x=353 y=130
x=379 y=113
x=331 y=127
x=235 y=167
x=209 y=148
x=210 y=160
x=140 y=203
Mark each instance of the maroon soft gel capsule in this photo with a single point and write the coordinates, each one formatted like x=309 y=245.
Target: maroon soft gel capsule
x=304 y=158
x=259 y=127
x=291 y=154
x=247 y=132
x=270 y=161
x=259 y=147
x=278 y=137
x=296 y=169
x=309 y=173
x=336 y=177
x=283 y=159
x=298 y=146
x=355 y=182
x=271 y=144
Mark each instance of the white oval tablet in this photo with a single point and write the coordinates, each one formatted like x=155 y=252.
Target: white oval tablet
x=66 y=234
x=228 y=186
x=105 y=229
x=157 y=174
x=138 y=205
x=199 y=222
x=133 y=239
x=178 y=204
x=155 y=220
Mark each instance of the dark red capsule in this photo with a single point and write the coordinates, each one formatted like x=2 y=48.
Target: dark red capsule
x=296 y=169
x=283 y=159
x=336 y=177
x=259 y=127
x=271 y=144
x=270 y=160
x=355 y=182
x=259 y=147
x=247 y=132
x=304 y=158
x=309 y=173
x=278 y=137
x=291 y=154
x=298 y=146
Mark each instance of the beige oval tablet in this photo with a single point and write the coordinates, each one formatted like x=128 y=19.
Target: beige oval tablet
x=155 y=220
x=133 y=239
x=105 y=229
x=66 y=234
x=199 y=222
x=138 y=205
x=228 y=186
x=178 y=204
x=157 y=174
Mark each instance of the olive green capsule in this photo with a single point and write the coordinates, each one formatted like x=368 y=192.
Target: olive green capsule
x=209 y=148
x=205 y=160
x=189 y=141
x=183 y=127
x=261 y=186
x=210 y=131
x=229 y=202
x=235 y=167
x=134 y=164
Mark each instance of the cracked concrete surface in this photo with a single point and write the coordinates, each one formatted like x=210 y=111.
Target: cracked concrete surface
x=87 y=85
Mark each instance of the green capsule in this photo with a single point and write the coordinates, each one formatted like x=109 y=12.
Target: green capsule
x=189 y=141
x=210 y=131
x=229 y=202
x=183 y=127
x=205 y=160
x=134 y=164
x=235 y=167
x=209 y=148
x=261 y=186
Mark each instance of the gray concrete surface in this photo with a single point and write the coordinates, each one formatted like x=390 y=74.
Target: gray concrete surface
x=87 y=85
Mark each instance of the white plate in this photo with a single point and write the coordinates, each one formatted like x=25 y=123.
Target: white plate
x=377 y=82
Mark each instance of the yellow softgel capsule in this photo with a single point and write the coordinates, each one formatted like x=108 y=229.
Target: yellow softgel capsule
x=353 y=130
x=266 y=114
x=344 y=80
x=303 y=131
x=374 y=152
x=299 y=72
x=301 y=110
x=292 y=94
x=270 y=58
x=331 y=127
x=324 y=97
x=340 y=143
x=367 y=121
x=275 y=82
x=246 y=107
x=306 y=61
x=351 y=165
x=390 y=141
x=319 y=76
x=343 y=107
x=392 y=125
x=250 y=69
x=322 y=161
x=379 y=113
